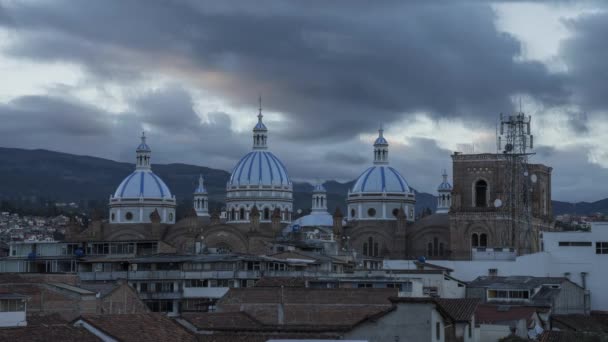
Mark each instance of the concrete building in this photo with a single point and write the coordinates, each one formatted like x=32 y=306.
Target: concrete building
x=579 y=256
x=13 y=308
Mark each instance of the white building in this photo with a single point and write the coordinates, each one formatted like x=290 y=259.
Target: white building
x=259 y=179
x=142 y=193
x=580 y=256
x=12 y=310
x=380 y=191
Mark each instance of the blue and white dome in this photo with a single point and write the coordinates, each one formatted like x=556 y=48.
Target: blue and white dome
x=142 y=196
x=142 y=183
x=380 y=192
x=380 y=178
x=259 y=180
x=259 y=167
x=445 y=185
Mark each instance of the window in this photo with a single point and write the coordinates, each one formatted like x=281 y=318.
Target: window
x=575 y=244
x=266 y=214
x=232 y=214
x=481 y=188
x=170 y=216
x=435 y=248
x=395 y=212
x=483 y=240
x=475 y=240
x=113 y=217
x=352 y=213
x=129 y=216
x=242 y=213
x=12 y=305
x=371 y=212
x=601 y=248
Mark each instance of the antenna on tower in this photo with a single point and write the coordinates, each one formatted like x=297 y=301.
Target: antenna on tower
x=517 y=184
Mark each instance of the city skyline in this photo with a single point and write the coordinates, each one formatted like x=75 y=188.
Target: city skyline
x=88 y=80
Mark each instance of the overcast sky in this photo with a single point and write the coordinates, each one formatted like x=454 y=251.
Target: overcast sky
x=87 y=77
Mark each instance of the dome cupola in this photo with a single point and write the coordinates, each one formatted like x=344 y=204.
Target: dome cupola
x=259 y=177
x=142 y=193
x=380 y=191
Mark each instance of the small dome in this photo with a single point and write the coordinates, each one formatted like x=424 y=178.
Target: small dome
x=259 y=167
x=142 y=183
x=143 y=146
x=260 y=126
x=315 y=219
x=445 y=185
x=381 y=178
x=380 y=140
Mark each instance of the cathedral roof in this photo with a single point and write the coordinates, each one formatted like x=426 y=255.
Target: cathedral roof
x=380 y=178
x=142 y=183
x=259 y=167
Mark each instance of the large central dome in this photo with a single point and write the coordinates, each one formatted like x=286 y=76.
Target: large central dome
x=380 y=192
x=259 y=179
x=381 y=178
x=259 y=167
x=142 y=193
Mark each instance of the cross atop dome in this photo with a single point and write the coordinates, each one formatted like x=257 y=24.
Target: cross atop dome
x=143 y=153
x=260 y=131
x=380 y=148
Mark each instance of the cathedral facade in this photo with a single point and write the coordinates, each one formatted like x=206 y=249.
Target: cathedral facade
x=380 y=222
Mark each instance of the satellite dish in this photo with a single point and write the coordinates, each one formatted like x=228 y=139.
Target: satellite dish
x=534 y=178
x=498 y=203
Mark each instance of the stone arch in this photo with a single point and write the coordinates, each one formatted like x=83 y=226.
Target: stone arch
x=478 y=230
x=476 y=190
x=222 y=236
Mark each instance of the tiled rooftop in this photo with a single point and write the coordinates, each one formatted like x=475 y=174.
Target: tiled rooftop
x=140 y=327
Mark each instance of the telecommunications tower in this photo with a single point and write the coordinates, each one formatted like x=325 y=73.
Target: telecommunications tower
x=515 y=142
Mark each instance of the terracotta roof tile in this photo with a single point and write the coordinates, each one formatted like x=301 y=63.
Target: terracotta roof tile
x=221 y=320
x=281 y=281
x=487 y=313
x=581 y=322
x=40 y=333
x=460 y=309
x=140 y=327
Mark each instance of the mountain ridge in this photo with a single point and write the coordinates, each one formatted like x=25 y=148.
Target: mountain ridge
x=39 y=175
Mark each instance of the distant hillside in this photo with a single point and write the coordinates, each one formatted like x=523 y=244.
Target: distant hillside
x=38 y=176
x=580 y=208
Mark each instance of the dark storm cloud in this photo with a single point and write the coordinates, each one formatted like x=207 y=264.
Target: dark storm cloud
x=585 y=54
x=169 y=109
x=348 y=158
x=33 y=114
x=62 y=124
x=334 y=70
